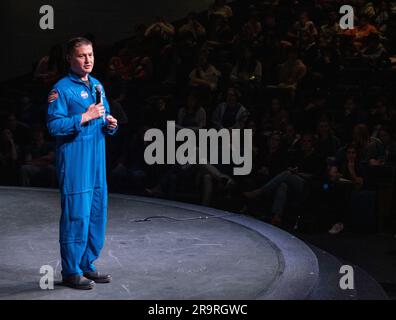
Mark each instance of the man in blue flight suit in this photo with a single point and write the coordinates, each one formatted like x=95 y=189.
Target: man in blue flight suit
x=80 y=125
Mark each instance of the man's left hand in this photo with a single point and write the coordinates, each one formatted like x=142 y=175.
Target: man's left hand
x=112 y=122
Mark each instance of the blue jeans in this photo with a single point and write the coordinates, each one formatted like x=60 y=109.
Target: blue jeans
x=282 y=184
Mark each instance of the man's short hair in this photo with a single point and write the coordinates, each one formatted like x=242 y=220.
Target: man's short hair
x=76 y=42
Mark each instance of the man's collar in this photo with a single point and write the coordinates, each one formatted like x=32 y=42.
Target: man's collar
x=76 y=78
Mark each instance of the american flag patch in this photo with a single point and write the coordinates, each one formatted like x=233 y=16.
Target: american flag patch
x=53 y=95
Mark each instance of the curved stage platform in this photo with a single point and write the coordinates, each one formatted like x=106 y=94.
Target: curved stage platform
x=158 y=249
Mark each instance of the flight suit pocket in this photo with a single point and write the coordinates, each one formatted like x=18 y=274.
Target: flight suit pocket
x=79 y=164
x=75 y=217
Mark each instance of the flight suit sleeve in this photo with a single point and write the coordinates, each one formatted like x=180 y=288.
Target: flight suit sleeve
x=59 y=123
x=107 y=107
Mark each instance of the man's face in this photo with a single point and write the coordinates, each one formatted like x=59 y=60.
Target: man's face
x=303 y=19
x=232 y=98
x=324 y=128
x=351 y=154
x=306 y=143
x=82 y=60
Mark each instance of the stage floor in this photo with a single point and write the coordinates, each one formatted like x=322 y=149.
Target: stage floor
x=155 y=249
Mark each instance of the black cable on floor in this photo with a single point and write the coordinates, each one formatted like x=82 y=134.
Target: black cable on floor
x=187 y=219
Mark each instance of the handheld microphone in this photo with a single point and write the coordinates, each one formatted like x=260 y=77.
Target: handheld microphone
x=98 y=90
x=98 y=93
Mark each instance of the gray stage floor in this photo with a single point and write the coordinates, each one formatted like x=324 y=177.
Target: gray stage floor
x=184 y=252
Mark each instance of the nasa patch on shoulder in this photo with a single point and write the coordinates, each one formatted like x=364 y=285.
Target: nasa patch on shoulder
x=84 y=94
x=53 y=95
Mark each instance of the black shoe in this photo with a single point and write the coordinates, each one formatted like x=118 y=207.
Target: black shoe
x=78 y=282
x=98 y=277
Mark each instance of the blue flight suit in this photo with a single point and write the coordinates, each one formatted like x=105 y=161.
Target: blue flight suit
x=81 y=170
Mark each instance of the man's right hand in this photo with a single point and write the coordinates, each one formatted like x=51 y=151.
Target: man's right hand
x=94 y=111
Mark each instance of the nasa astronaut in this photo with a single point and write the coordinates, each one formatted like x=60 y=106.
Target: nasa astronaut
x=80 y=125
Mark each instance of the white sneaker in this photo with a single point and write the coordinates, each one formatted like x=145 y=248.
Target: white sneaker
x=337 y=228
